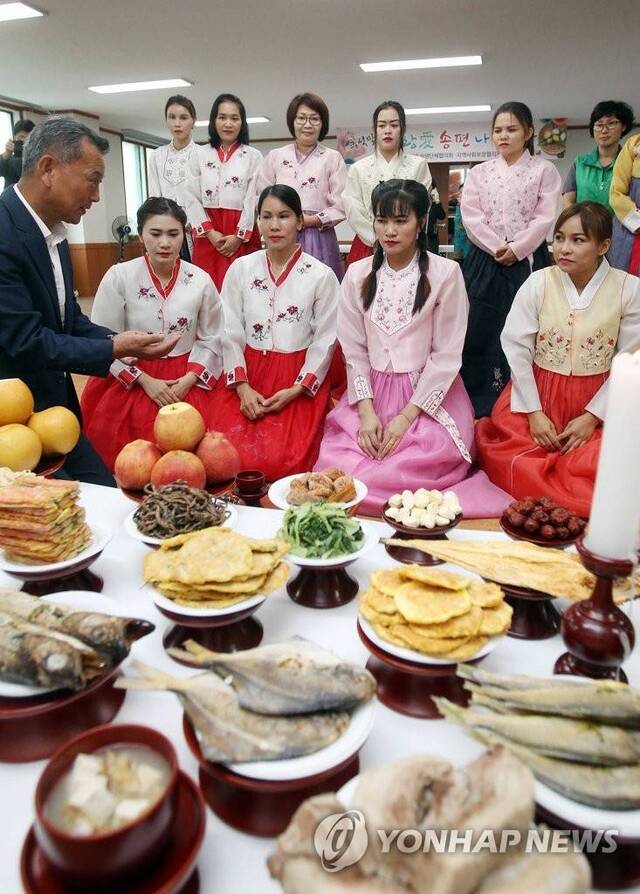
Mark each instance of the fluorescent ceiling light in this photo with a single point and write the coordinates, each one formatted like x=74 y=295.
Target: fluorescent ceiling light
x=446 y=110
x=142 y=85
x=448 y=62
x=258 y=119
x=9 y=12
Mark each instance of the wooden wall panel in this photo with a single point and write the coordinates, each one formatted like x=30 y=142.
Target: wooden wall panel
x=91 y=260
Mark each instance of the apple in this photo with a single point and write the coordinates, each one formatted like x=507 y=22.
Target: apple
x=219 y=457
x=16 y=402
x=134 y=464
x=20 y=448
x=178 y=427
x=58 y=429
x=178 y=465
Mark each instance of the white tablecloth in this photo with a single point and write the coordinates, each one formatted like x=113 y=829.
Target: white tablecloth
x=231 y=862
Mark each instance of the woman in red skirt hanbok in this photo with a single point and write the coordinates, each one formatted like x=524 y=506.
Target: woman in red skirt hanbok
x=221 y=192
x=565 y=325
x=280 y=309
x=158 y=292
x=389 y=161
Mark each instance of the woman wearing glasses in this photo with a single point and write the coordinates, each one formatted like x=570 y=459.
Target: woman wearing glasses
x=589 y=178
x=318 y=174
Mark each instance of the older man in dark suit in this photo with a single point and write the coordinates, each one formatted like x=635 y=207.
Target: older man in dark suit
x=44 y=336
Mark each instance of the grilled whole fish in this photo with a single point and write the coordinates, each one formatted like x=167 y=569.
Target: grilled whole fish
x=604 y=701
x=228 y=732
x=292 y=677
x=572 y=740
x=609 y=788
x=31 y=656
x=108 y=634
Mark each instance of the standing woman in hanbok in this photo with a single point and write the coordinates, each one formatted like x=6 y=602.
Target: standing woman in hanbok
x=563 y=330
x=280 y=331
x=222 y=191
x=508 y=205
x=318 y=174
x=389 y=161
x=625 y=201
x=158 y=292
x=406 y=420
x=169 y=165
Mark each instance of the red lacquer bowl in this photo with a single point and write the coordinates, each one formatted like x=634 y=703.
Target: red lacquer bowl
x=95 y=859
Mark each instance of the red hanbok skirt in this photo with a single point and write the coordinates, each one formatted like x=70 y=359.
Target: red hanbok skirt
x=225 y=221
x=358 y=251
x=114 y=415
x=281 y=443
x=515 y=463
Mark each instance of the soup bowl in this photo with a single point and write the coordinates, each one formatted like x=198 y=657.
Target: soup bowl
x=97 y=860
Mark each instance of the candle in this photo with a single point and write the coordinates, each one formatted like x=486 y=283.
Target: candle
x=615 y=509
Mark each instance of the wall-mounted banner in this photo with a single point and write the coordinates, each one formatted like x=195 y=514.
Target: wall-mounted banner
x=446 y=143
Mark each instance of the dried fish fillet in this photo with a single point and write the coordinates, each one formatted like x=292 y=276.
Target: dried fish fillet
x=108 y=634
x=228 y=732
x=34 y=657
x=572 y=740
x=293 y=677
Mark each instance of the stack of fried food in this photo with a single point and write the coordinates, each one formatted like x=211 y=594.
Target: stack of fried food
x=441 y=614
x=332 y=485
x=216 y=568
x=551 y=571
x=41 y=521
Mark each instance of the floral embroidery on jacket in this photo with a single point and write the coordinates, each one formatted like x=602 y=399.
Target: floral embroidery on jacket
x=259 y=331
x=310 y=182
x=186 y=279
x=388 y=315
x=597 y=351
x=292 y=314
x=303 y=268
x=233 y=181
x=210 y=164
x=552 y=347
x=362 y=388
x=260 y=284
x=144 y=292
x=182 y=324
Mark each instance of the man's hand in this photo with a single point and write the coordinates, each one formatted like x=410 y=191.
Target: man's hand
x=147 y=345
x=8 y=149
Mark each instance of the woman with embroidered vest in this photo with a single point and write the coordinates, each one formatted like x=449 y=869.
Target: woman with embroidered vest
x=625 y=201
x=388 y=161
x=589 y=177
x=318 y=174
x=169 y=165
x=158 y=292
x=406 y=420
x=508 y=206
x=222 y=191
x=280 y=332
x=566 y=324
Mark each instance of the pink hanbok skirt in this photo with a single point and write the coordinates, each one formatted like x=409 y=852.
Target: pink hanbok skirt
x=430 y=455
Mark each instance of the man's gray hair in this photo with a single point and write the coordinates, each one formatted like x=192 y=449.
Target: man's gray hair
x=61 y=137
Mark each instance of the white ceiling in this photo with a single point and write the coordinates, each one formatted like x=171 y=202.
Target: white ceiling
x=560 y=56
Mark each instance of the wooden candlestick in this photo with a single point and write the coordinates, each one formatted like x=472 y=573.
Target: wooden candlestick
x=598 y=635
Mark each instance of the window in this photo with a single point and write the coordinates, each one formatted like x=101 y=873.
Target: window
x=6 y=124
x=135 y=176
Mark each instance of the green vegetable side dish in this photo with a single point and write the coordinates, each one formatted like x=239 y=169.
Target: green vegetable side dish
x=321 y=531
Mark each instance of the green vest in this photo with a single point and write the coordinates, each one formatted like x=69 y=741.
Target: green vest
x=592 y=180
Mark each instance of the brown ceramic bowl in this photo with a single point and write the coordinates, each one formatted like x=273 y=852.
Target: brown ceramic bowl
x=95 y=860
x=250 y=481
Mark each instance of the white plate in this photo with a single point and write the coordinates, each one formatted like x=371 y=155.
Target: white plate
x=84 y=601
x=279 y=490
x=132 y=530
x=100 y=536
x=371 y=537
x=342 y=749
x=418 y=657
x=164 y=602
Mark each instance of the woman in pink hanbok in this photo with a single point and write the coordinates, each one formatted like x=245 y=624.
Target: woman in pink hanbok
x=406 y=420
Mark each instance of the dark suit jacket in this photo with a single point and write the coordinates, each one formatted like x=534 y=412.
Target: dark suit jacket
x=35 y=345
